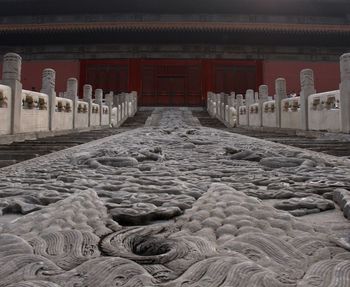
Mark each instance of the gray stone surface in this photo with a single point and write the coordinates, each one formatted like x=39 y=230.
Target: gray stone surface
x=172 y=204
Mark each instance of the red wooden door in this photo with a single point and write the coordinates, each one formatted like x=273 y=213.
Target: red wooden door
x=171 y=83
x=171 y=91
x=107 y=75
x=168 y=82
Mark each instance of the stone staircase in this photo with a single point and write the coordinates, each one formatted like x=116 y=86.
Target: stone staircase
x=21 y=151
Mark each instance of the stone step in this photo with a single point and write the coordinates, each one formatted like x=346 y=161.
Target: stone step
x=21 y=151
x=328 y=146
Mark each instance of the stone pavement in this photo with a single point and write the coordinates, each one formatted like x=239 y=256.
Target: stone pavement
x=176 y=204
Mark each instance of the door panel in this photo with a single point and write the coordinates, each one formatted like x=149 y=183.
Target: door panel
x=171 y=91
x=173 y=83
x=107 y=76
x=168 y=82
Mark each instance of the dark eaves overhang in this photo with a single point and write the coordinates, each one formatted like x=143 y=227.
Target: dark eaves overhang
x=264 y=28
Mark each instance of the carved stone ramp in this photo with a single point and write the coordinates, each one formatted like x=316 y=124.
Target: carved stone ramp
x=176 y=204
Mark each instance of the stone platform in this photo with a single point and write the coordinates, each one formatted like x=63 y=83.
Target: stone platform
x=176 y=204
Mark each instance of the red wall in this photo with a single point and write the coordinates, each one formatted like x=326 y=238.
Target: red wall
x=327 y=74
x=32 y=71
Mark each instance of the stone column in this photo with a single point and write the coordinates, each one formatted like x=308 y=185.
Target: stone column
x=263 y=97
x=249 y=100
x=109 y=101
x=11 y=76
x=225 y=107
x=307 y=89
x=222 y=97
x=48 y=88
x=135 y=102
x=345 y=93
x=72 y=94
x=256 y=97
x=98 y=100
x=119 y=113
x=87 y=96
x=127 y=100
x=116 y=100
x=130 y=100
x=231 y=100
x=208 y=101
x=281 y=93
x=218 y=106
x=239 y=102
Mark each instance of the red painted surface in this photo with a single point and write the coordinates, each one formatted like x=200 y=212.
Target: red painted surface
x=179 y=82
x=109 y=75
x=327 y=74
x=235 y=76
x=170 y=82
x=32 y=71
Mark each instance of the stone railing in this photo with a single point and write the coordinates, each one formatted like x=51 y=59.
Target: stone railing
x=34 y=112
x=222 y=106
x=5 y=110
x=324 y=111
x=328 y=111
x=27 y=112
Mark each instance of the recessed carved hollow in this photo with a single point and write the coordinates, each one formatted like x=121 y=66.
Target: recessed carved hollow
x=60 y=106
x=141 y=248
x=3 y=100
x=294 y=106
x=42 y=104
x=330 y=103
x=68 y=108
x=315 y=103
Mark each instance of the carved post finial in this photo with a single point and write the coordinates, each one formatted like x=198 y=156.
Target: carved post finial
x=12 y=67
x=307 y=79
x=87 y=96
x=345 y=67
x=98 y=96
x=87 y=92
x=307 y=89
x=72 y=93
x=109 y=102
x=11 y=76
x=345 y=93
x=72 y=88
x=48 y=81
x=48 y=87
x=263 y=97
x=98 y=100
x=281 y=93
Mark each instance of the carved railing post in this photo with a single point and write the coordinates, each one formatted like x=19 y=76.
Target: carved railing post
x=307 y=89
x=239 y=102
x=256 y=97
x=48 y=88
x=249 y=99
x=11 y=76
x=98 y=100
x=72 y=93
x=345 y=93
x=281 y=93
x=87 y=96
x=109 y=102
x=263 y=97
